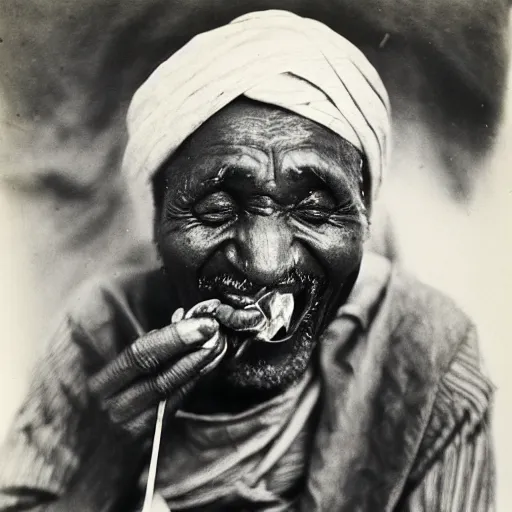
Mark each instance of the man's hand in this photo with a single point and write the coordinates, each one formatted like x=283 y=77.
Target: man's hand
x=163 y=364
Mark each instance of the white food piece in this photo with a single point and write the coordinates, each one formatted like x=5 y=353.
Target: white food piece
x=278 y=310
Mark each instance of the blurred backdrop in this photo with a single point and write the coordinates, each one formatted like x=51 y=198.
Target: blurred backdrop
x=69 y=69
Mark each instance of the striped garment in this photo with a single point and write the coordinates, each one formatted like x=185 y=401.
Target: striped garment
x=402 y=424
x=457 y=474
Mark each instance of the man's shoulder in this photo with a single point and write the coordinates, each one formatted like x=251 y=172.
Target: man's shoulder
x=414 y=299
x=403 y=305
x=413 y=374
x=121 y=303
x=422 y=311
x=441 y=333
x=423 y=330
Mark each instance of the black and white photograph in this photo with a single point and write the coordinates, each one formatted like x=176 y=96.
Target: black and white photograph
x=256 y=256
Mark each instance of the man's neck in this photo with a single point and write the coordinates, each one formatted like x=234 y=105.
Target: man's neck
x=215 y=396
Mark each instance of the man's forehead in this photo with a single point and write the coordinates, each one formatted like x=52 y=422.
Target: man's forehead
x=247 y=123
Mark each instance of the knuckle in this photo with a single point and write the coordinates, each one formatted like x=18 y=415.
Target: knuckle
x=101 y=403
x=183 y=371
x=113 y=413
x=164 y=336
x=146 y=390
x=140 y=357
x=96 y=389
x=132 y=430
x=135 y=428
x=191 y=360
x=162 y=384
x=174 y=336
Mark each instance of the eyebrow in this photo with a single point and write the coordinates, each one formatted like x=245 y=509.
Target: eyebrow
x=322 y=167
x=317 y=171
x=234 y=170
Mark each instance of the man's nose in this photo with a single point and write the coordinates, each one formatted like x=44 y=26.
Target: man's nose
x=262 y=250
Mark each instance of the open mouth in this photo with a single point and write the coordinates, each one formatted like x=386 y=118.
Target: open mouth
x=281 y=316
x=285 y=319
x=262 y=316
x=284 y=308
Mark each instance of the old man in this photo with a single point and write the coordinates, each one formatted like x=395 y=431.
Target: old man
x=271 y=363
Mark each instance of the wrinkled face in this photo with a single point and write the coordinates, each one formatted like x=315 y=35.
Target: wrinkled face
x=256 y=200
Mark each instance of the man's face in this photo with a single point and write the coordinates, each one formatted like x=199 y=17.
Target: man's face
x=258 y=198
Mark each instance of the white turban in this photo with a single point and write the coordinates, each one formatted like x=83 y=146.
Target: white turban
x=274 y=57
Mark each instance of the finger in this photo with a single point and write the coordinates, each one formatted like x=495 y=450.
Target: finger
x=144 y=423
x=141 y=425
x=178 y=315
x=175 y=400
x=151 y=351
x=148 y=392
x=221 y=352
x=212 y=342
x=207 y=307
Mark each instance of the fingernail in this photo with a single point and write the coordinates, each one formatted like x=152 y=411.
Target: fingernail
x=212 y=342
x=178 y=315
x=211 y=365
x=196 y=330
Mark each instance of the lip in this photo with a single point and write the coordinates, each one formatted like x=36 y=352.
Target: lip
x=304 y=296
x=240 y=300
x=237 y=300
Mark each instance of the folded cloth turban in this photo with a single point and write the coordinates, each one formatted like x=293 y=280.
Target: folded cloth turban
x=274 y=57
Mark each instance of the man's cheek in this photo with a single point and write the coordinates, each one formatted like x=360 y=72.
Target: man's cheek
x=189 y=245
x=338 y=251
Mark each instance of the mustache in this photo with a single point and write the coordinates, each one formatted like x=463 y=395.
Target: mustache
x=230 y=282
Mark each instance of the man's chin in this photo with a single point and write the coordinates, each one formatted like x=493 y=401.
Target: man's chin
x=265 y=377
x=268 y=366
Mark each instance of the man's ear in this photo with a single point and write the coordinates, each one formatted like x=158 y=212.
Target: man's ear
x=366 y=186
x=158 y=189
x=156 y=238
x=156 y=228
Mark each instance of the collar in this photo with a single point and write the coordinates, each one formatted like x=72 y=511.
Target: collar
x=374 y=274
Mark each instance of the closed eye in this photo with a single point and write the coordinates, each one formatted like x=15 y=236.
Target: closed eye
x=216 y=209
x=312 y=215
x=316 y=208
